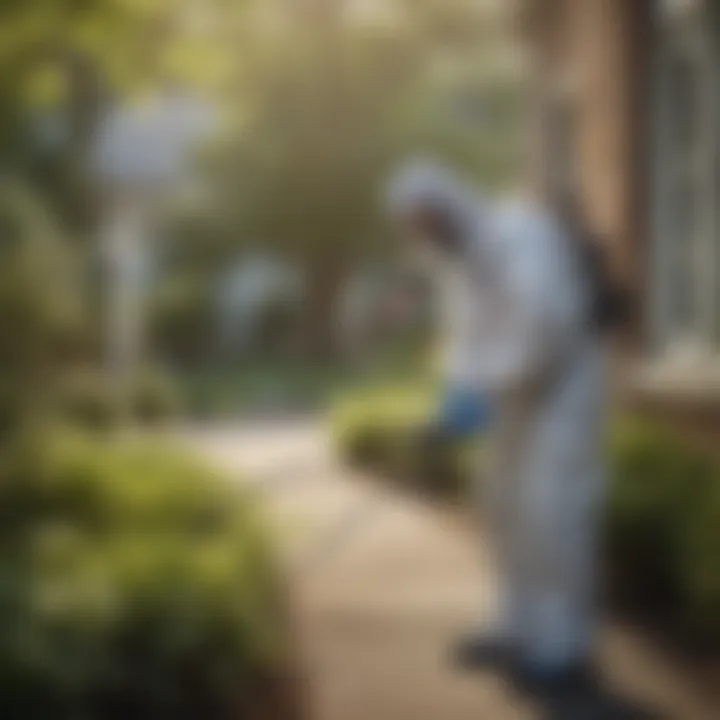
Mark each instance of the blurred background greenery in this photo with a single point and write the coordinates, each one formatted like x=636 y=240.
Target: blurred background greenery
x=260 y=233
x=191 y=226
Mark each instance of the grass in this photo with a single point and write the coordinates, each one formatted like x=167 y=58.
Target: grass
x=230 y=391
x=286 y=385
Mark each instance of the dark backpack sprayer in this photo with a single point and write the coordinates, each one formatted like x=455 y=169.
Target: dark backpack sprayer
x=609 y=305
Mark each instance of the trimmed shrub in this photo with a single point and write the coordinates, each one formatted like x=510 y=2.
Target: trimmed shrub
x=387 y=430
x=133 y=583
x=367 y=425
x=662 y=525
x=658 y=485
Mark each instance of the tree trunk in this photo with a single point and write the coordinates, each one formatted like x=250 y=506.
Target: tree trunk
x=321 y=306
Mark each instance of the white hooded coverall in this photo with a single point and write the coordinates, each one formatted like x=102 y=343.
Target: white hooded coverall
x=516 y=307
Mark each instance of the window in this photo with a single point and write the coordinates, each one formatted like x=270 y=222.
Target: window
x=686 y=180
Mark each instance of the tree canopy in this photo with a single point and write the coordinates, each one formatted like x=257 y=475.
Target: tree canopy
x=333 y=94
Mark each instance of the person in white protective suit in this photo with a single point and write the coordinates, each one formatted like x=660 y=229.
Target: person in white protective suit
x=524 y=322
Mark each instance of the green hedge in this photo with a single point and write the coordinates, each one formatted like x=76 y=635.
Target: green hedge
x=663 y=516
x=134 y=583
x=662 y=530
x=87 y=399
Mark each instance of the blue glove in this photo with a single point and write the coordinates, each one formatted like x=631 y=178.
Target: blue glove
x=463 y=413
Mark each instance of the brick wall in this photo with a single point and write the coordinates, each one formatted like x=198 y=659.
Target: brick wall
x=595 y=55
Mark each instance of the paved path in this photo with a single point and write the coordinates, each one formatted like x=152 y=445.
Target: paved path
x=384 y=583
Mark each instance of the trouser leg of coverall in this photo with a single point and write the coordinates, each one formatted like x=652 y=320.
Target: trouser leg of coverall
x=558 y=530
x=501 y=502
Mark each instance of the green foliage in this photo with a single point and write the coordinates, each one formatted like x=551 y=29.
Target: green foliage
x=38 y=308
x=277 y=327
x=662 y=524
x=88 y=399
x=303 y=175
x=40 y=317
x=386 y=430
x=154 y=397
x=700 y=575
x=366 y=424
x=182 y=317
x=262 y=385
x=327 y=108
x=133 y=583
x=658 y=484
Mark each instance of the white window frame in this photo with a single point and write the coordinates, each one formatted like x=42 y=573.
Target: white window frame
x=684 y=33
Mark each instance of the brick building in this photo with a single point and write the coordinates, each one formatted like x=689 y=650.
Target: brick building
x=627 y=96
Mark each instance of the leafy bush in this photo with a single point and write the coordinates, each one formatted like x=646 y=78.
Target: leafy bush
x=182 y=318
x=40 y=318
x=38 y=306
x=154 y=397
x=133 y=583
x=386 y=430
x=700 y=571
x=662 y=527
x=87 y=399
x=366 y=425
x=663 y=519
x=658 y=484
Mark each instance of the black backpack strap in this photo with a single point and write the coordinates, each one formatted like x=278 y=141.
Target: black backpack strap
x=608 y=304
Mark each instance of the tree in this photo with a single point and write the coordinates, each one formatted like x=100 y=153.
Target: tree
x=304 y=173
x=63 y=62
x=328 y=102
x=40 y=313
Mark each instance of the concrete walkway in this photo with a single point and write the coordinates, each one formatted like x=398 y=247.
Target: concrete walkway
x=384 y=583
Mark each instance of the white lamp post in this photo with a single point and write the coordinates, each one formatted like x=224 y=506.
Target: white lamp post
x=141 y=159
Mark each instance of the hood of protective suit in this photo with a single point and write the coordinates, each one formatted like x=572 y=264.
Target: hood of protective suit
x=423 y=184
x=510 y=295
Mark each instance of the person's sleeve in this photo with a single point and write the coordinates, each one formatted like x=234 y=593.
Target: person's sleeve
x=530 y=320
